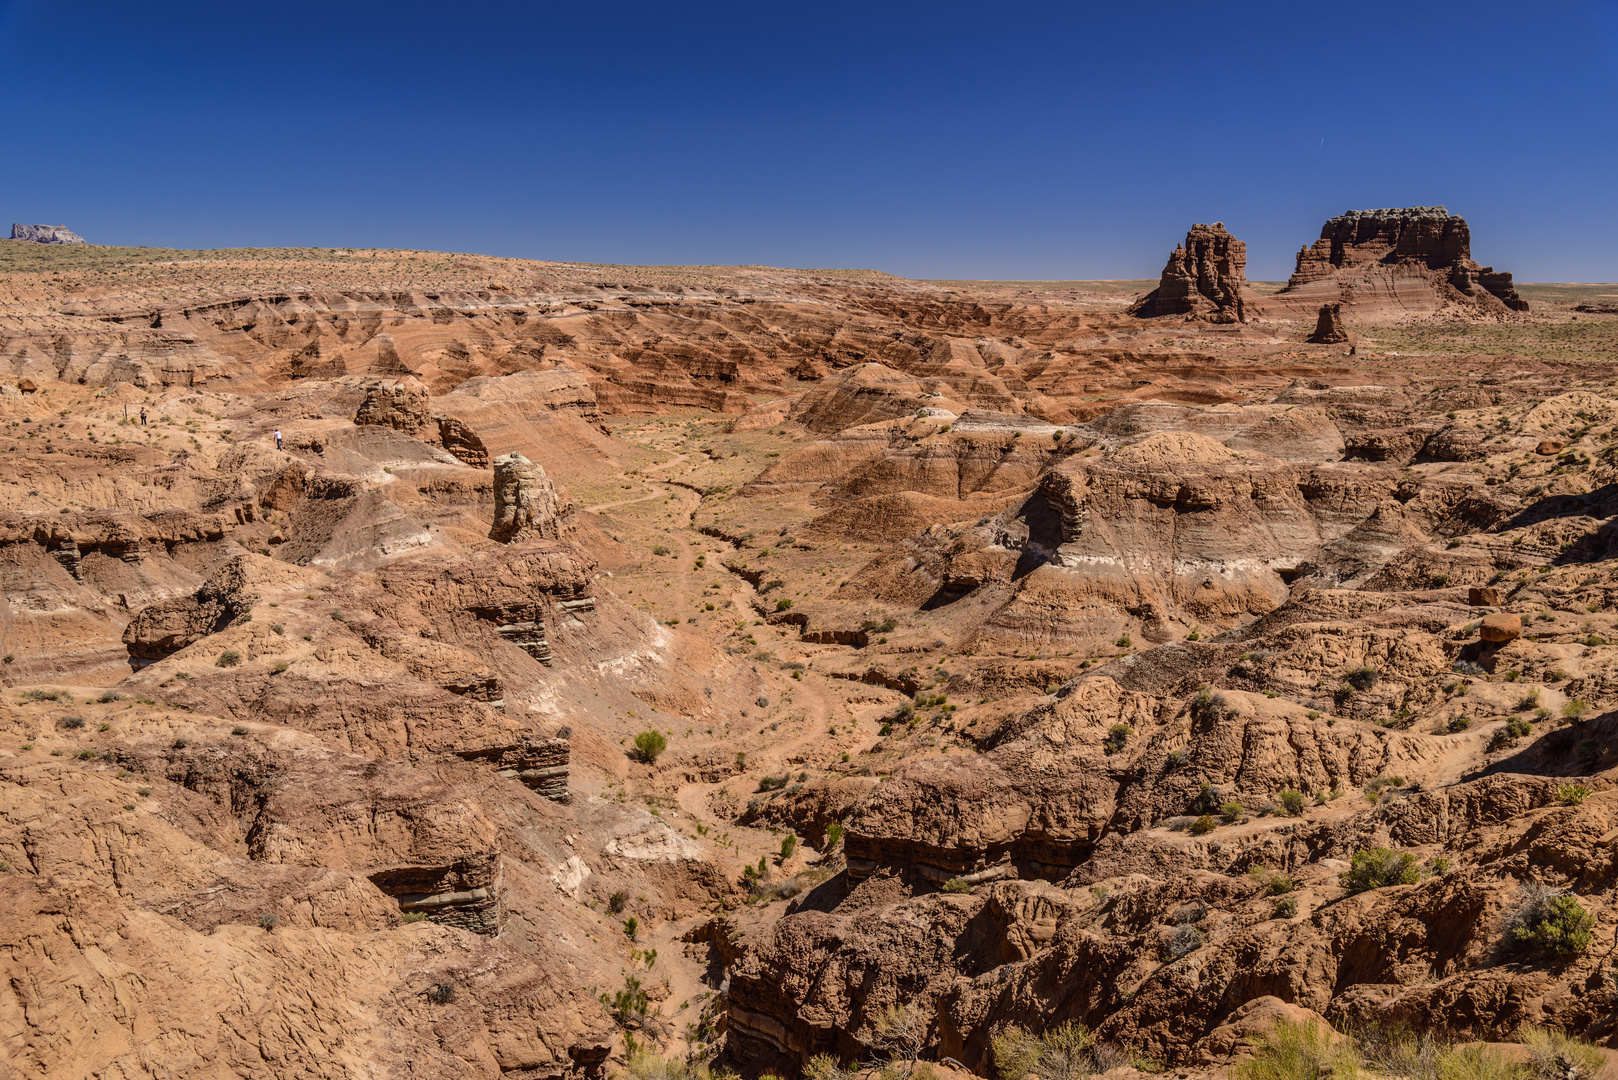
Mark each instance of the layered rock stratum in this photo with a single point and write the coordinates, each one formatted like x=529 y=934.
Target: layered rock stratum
x=1388 y=262
x=435 y=664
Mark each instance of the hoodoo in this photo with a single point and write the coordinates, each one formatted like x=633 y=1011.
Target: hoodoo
x=1402 y=261
x=1205 y=278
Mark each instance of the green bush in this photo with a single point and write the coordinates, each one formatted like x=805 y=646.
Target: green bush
x=228 y=658
x=1572 y=794
x=1292 y=801
x=1286 y=909
x=1117 y=738
x=1281 y=884
x=1203 y=825
x=1378 y=867
x=1230 y=812
x=1574 y=710
x=649 y=744
x=957 y=885
x=1550 y=921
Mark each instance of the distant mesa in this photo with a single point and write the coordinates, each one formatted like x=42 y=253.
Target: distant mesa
x=1409 y=260
x=46 y=234
x=1206 y=278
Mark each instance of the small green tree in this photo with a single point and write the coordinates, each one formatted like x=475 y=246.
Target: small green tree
x=649 y=744
x=1292 y=801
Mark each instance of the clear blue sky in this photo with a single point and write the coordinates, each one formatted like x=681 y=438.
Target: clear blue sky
x=1023 y=139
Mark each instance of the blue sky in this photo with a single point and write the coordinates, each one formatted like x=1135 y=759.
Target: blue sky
x=1024 y=139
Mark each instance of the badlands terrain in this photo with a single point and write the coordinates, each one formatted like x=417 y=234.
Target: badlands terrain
x=447 y=666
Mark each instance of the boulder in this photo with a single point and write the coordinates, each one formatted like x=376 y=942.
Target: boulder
x=1500 y=627
x=1548 y=447
x=1483 y=596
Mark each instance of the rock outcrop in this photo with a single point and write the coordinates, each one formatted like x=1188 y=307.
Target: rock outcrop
x=1329 y=328
x=1398 y=261
x=45 y=234
x=1205 y=279
x=525 y=501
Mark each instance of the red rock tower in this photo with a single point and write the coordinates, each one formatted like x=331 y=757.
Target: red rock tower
x=1205 y=279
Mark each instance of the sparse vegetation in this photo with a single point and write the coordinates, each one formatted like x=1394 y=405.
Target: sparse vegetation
x=1299 y=1051
x=649 y=745
x=1551 y=921
x=1379 y=867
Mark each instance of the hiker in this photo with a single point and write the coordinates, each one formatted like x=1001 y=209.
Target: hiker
x=143 y=416
x=278 y=438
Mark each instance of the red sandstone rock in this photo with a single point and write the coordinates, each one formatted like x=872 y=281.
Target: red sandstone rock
x=1397 y=262
x=1329 y=328
x=1205 y=278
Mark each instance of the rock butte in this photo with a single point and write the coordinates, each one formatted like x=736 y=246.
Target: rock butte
x=422 y=664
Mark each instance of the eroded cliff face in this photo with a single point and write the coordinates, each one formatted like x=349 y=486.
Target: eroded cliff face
x=1416 y=258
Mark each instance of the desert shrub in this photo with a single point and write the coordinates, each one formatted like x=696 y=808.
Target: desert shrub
x=87 y=755
x=1177 y=759
x=1193 y=912
x=649 y=744
x=1286 y=908
x=782 y=605
x=410 y=917
x=1185 y=940
x=238 y=730
x=1518 y=728
x=1438 y=865
x=1065 y=1052
x=789 y=844
x=1291 y=800
x=617 y=901
x=440 y=993
x=109 y=697
x=1230 y=812
x=1467 y=667
x=1553 y=1055
x=1571 y=794
x=957 y=885
x=1458 y=724
x=1300 y=1050
x=70 y=723
x=1378 y=867
x=1529 y=700
x=1280 y=884
x=1574 y=710
x=1363 y=678
x=771 y=783
x=660 y=550
x=1117 y=737
x=228 y=658
x=1180 y=823
x=1203 y=825
x=37 y=694
x=632 y=928
x=268 y=921
x=1123 y=641
x=834 y=836
x=1375 y=787
x=1549 y=920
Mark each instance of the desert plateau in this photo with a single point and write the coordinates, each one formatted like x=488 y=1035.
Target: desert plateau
x=437 y=665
